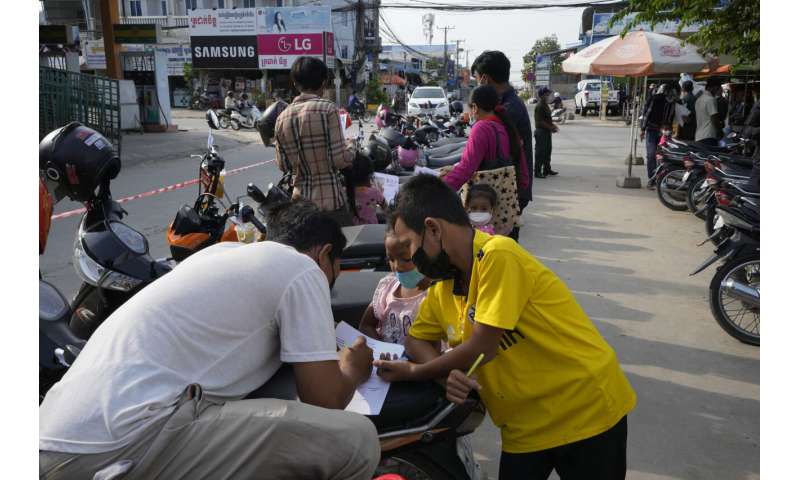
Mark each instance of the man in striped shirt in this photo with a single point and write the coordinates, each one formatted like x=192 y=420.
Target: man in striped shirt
x=310 y=143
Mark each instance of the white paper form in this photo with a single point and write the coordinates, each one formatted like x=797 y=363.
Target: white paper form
x=369 y=396
x=425 y=171
x=388 y=184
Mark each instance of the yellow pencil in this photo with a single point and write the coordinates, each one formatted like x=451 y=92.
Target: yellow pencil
x=475 y=365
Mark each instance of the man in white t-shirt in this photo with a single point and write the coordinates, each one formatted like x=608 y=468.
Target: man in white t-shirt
x=159 y=387
x=709 y=124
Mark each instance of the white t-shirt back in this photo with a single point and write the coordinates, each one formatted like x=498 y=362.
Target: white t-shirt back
x=225 y=319
x=705 y=106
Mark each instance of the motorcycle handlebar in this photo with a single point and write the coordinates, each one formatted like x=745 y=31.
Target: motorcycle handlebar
x=248 y=215
x=255 y=193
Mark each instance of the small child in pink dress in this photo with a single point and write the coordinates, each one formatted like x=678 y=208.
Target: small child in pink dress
x=367 y=196
x=481 y=202
x=397 y=297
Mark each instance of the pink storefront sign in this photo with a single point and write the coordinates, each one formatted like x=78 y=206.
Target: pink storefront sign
x=278 y=51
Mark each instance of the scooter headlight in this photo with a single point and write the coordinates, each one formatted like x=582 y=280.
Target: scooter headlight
x=97 y=275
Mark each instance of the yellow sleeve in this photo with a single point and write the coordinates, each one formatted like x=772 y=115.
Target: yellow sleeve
x=427 y=325
x=504 y=288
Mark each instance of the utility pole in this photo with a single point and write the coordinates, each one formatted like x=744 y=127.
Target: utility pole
x=444 y=66
x=360 y=43
x=109 y=14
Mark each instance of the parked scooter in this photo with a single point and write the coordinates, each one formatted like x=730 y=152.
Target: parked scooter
x=58 y=345
x=246 y=116
x=735 y=290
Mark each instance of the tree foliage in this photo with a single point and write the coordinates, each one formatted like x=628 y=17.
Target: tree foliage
x=375 y=93
x=729 y=27
x=542 y=45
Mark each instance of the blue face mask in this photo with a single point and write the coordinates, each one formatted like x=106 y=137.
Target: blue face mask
x=409 y=279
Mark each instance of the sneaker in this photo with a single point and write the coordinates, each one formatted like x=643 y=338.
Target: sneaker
x=551 y=172
x=651 y=185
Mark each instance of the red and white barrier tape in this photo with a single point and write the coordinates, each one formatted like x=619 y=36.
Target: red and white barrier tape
x=169 y=188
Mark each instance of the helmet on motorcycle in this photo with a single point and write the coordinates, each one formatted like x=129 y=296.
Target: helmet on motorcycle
x=266 y=125
x=230 y=93
x=74 y=160
x=456 y=108
x=407 y=155
x=557 y=95
x=378 y=151
x=244 y=96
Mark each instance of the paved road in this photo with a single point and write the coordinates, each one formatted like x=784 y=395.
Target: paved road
x=625 y=256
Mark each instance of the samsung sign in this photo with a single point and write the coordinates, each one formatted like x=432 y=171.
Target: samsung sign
x=219 y=52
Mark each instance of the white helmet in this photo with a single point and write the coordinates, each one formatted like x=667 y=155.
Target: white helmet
x=556 y=95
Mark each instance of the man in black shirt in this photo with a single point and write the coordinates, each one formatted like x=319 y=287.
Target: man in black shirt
x=493 y=68
x=545 y=128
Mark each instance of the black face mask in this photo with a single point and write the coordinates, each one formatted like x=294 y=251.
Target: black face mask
x=438 y=268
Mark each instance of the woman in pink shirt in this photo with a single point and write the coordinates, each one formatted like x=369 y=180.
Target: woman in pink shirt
x=492 y=133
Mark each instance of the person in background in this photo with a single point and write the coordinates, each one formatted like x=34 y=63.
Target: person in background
x=493 y=138
x=310 y=144
x=686 y=131
x=481 y=203
x=658 y=115
x=493 y=68
x=367 y=196
x=545 y=128
x=399 y=101
x=724 y=107
x=709 y=122
x=397 y=297
x=557 y=101
x=230 y=103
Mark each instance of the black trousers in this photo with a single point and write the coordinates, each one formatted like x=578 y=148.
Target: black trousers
x=602 y=457
x=542 y=150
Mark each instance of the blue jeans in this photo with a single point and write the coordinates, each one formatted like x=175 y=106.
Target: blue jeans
x=651 y=138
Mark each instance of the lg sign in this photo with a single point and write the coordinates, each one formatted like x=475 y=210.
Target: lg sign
x=294 y=44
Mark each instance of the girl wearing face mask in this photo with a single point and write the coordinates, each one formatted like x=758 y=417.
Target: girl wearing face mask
x=481 y=203
x=397 y=296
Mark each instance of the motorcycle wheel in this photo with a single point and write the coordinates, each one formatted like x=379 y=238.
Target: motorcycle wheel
x=411 y=467
x=235 y=124
x=735 y=316
x=224 y=121
x=669 y=190
x=696 y=197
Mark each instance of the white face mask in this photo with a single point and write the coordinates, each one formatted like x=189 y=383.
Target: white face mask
x=480 y=218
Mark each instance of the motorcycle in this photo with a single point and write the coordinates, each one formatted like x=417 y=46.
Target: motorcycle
x=200 y=100
x=357 y=111
x=735 y=290
x=58 y=345
x=113 y=261
x=246 y=117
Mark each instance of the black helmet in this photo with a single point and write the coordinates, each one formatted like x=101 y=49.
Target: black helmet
x=266 y=125
x=456 y=108
x=75 y=160
x=379 y=152
x=230 y=93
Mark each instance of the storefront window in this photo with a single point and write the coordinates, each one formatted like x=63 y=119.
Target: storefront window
x=190 y=5
x=164 y=8
x=136 y=8
x=220 y=3
x=249 y=3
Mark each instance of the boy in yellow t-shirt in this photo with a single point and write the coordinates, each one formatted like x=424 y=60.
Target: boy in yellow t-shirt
x=551 y=383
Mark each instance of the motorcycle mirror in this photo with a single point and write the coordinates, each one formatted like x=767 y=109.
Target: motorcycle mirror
x=212 y=119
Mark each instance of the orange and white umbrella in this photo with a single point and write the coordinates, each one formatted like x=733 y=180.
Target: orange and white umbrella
x=638 y=54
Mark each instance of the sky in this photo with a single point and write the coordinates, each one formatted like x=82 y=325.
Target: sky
x=513 y=32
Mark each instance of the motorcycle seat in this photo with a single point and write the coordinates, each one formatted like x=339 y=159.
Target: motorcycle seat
x=408 y=405
x=439 y=162
x=448 y=141
x=738 y=160
x=444 y=150
x=364 y=241
x=735 y=170
x=351 y=295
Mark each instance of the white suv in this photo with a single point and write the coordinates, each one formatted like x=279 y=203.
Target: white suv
x=428 y=100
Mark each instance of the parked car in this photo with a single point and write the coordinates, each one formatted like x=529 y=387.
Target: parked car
x=429 y=100
x=588 y=97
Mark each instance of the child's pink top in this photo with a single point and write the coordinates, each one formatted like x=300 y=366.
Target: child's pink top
x=394 y=314
x=367 y=200
x=488 y=228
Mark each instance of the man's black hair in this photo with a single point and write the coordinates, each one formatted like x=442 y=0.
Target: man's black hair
x=309 y=73
x=300 y=224
x=687 y=86
x=713 y=82
x=493 y=63
x=427 y=196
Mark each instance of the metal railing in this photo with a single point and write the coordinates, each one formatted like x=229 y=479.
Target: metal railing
x=90 y=99
x=176 y=21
